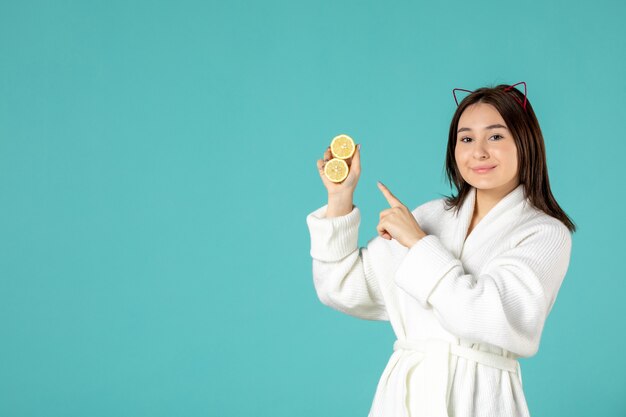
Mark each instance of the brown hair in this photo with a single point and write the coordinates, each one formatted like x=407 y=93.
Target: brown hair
x=531 y=154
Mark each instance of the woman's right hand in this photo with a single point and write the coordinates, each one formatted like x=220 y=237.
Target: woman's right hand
x=347 y=186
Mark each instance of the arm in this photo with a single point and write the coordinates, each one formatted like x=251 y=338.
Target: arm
x=507 y=304
x=342 y=272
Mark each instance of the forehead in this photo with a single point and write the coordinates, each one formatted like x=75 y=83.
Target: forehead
x=479 y=114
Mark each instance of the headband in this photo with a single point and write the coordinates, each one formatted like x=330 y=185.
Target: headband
x=506 y=89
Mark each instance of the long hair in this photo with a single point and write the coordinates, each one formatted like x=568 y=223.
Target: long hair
x=531 y=153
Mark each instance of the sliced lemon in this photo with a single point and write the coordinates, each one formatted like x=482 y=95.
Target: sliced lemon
x=342 y=146
x=336 y=170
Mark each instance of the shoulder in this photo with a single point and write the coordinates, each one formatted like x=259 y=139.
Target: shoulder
x=431 y=208
x=432 y=216
x=536 y=225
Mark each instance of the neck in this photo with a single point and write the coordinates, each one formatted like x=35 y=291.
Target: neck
x=486 y=199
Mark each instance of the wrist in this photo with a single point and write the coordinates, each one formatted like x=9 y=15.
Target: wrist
x=341 y=194
x=339 y=205
x=342 y=199
x=417 y=239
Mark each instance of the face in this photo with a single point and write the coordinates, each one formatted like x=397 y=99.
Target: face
x=480 y=143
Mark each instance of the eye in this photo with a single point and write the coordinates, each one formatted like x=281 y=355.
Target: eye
x=467 y=137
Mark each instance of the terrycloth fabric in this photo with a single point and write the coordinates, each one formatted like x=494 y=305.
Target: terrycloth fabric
x=445 y=296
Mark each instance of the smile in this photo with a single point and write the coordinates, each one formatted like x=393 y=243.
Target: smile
x=483 y=170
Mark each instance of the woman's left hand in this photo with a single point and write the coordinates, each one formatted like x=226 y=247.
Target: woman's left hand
x=398 y=222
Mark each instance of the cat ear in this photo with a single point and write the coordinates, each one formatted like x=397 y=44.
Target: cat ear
x=454 y=94
x=525 y=93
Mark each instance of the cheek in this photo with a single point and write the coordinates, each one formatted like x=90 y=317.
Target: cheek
x=512 y=153
x=510 y=156
x=459 y=155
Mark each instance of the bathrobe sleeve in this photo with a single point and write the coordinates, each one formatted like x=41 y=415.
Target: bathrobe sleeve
x=507 y=303
x=342 y=272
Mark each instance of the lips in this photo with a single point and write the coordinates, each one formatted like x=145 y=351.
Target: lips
x=485 y=168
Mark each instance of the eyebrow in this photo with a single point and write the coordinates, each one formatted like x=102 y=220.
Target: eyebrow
x=488 y=127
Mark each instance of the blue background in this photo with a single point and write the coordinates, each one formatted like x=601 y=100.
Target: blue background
x=158 y=161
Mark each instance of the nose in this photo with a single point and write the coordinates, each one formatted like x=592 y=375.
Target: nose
x=480 y=151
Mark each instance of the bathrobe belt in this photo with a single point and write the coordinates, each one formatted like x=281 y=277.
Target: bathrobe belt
x=434 y=356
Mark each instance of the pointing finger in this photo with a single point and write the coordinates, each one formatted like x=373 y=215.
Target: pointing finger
x=391 y=199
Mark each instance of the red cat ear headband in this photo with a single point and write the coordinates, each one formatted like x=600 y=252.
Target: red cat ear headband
x=506 y=89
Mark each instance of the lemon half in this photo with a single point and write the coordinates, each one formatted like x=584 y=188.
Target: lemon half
x=336 y=170
x=342 y=146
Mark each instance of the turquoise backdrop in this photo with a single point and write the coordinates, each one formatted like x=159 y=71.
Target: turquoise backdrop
x=158 y=161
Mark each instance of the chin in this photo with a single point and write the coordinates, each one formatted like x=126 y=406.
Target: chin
x=485 y=183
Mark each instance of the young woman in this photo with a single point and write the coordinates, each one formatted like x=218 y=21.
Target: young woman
x=467 y=281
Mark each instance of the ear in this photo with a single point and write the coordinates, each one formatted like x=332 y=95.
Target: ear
x=454 y=94
x=525 y=93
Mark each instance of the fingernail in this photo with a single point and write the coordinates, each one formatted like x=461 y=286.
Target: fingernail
x=358 y=146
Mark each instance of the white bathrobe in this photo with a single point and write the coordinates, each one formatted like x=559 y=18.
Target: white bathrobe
x=463 y=310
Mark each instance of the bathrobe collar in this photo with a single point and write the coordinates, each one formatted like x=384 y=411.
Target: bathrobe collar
x=506 y=211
